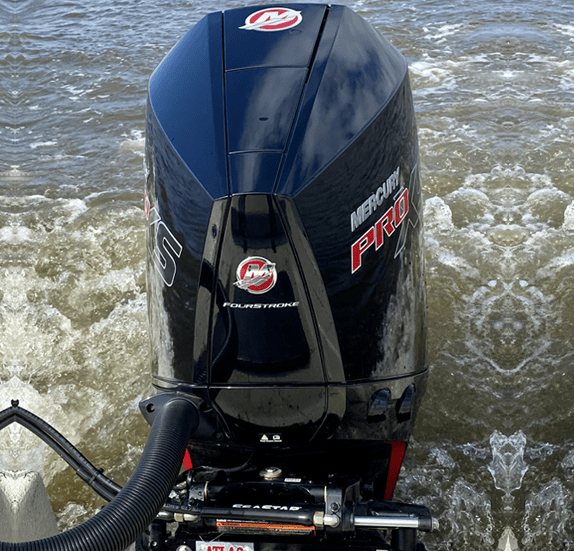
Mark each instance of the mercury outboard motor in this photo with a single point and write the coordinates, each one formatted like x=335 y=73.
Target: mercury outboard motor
x=285 y=279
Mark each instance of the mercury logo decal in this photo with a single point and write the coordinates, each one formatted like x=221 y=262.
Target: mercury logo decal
x=256 y=275
x=272 y=19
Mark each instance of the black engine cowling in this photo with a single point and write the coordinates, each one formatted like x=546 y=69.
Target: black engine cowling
x=285 y=272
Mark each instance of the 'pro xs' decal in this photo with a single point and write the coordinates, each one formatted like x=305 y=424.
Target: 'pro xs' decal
x=387 y=224
x=164 y=247
x=375 y=235
x=272 y=19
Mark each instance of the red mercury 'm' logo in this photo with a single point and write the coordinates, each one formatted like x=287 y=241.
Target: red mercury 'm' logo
x=272 y=19
x=256 y=275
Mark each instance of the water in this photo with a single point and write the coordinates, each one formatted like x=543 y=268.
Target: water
x=493 y=449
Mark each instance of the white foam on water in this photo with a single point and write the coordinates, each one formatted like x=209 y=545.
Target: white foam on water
x=73 y=514
x=75 y=92
x=438 y=32
x=436 y=72
x=20 y=450
x=431 y=476
x=75 y=207
x=469 y=516
x=442 y=457
x=134 y=143
x=548 y=517
x=15 y=234
x=568 y=224
x=560 y=263
x=567 y=463
x=432 y=71
x=35 y=145
x=440 y=232
x=72 y=326
x=508 y=541
x=566 y=29
x=26 y=223
x=508 y=466
x=437 y=215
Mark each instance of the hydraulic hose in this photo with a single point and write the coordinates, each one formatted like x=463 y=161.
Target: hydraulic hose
x=91 y=475
x=116 y=526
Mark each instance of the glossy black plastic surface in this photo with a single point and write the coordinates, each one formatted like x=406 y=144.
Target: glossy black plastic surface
x=376 y=297
x=355 y=73
x=186 y=97
x=292 y=152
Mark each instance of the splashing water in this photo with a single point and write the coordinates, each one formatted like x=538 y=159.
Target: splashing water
x=508 y=466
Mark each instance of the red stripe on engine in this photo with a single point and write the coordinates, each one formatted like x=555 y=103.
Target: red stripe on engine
x=397 y=456
x=187 y=464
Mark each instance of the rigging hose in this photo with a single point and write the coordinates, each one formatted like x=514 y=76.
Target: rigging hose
x=118 y=524
x=91 y=475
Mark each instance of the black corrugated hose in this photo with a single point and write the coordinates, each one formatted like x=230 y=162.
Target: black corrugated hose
x=120 y=522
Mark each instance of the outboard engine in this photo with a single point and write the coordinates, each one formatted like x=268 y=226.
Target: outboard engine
x=285 y=279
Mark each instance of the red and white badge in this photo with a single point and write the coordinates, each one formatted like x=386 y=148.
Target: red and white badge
x=256 y=275
x=272 y=19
